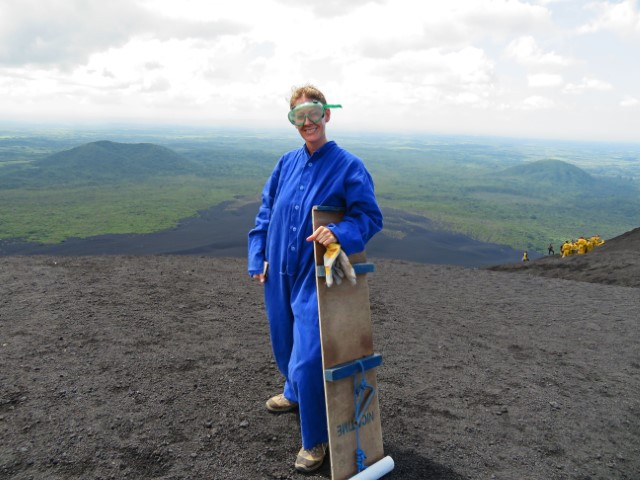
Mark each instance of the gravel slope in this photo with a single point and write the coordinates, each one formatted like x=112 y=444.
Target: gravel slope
x=158 y=368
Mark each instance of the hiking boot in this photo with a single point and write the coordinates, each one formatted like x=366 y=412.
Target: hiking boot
x=311 y=460
x=280 y=404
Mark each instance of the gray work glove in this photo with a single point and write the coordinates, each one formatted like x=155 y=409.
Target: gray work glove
x=337 y=266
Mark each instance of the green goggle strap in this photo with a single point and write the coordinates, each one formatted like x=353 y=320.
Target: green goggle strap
x=324 y=106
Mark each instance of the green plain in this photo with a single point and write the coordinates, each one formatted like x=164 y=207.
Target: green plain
x=464 y=185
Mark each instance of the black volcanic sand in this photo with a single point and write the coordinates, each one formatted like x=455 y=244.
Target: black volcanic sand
x=119 y=367
x=222 y=231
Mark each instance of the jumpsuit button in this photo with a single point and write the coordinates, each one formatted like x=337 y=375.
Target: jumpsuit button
x=301 y=187
x=309 y=164
x=297 y=207
x=293 y=249
x=294 y=229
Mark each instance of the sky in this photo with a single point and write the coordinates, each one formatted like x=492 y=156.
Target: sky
x=563 y=69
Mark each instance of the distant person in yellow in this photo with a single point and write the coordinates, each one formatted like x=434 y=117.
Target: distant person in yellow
x=566 y=249
x=525 y=256
x=596 y=241
x=582 y=245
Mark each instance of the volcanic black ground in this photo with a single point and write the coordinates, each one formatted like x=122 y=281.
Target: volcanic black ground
x=157 y=367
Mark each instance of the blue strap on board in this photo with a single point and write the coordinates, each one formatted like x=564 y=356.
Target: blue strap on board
x=363 y=394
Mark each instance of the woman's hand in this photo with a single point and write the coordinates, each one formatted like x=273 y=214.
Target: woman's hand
x=259 y=276
x=323 y=236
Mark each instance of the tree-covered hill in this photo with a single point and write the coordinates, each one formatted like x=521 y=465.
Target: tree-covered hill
x=102 y=162
x=553 y=181
x=554 y=173
x=108 y=187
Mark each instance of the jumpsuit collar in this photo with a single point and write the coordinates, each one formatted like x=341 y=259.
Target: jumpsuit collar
x=321 y=151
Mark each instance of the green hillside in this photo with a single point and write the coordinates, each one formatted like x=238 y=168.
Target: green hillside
x=101 y=162
x=107 y=187
x=552 y=179
x=520 y=194
x=553 y=173
x=502 y=198
x=102 y=156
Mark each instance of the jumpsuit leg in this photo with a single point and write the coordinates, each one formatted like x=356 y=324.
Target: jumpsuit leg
x=277 y=294
x=305 y=367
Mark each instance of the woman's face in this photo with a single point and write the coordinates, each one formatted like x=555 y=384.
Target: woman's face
x=313 y=134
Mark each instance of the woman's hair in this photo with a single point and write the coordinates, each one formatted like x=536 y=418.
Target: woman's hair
x=308 y=91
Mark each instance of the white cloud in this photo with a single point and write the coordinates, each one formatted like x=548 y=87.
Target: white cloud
x=447 y=25
x=621 y=18
x=64 y=33
x=468 y=64
x=330 y=8
x=503 y=17
x=525 y=51
x=587 y=84
x=537 y=102
x=545 y=80
x=448 y=70
x=629 y=101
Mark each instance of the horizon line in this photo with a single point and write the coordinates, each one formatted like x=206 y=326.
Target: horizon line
x=150 y=126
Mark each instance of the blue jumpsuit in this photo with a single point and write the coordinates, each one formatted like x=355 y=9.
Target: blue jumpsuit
x=333 y=177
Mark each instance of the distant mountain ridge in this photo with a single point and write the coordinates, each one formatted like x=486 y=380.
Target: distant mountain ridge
x=106 y=160
x=546 y=178
x=101 y=162
x=551 y=172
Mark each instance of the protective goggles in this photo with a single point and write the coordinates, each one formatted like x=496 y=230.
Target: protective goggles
x=314 y=111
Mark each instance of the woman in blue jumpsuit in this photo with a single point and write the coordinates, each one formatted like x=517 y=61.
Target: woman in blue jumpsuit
x=318 y=173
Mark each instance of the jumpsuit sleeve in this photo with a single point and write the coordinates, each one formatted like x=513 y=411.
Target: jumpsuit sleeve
x=258 y=235
x=363 y=218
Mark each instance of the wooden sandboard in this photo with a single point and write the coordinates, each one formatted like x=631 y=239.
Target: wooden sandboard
x=346 y=334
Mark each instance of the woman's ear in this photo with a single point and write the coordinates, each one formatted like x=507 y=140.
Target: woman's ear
x=327 y=115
